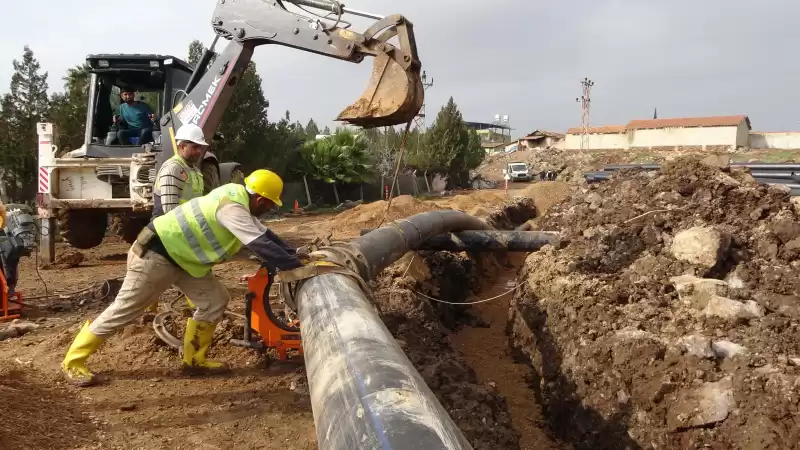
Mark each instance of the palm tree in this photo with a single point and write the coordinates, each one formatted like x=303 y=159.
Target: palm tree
x=340 y=158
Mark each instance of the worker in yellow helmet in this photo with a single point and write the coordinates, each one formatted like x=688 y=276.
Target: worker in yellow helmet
x=180 y=248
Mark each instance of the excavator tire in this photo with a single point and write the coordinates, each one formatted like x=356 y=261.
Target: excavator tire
x=82 y=228
x=131 y=227
x=210 y=176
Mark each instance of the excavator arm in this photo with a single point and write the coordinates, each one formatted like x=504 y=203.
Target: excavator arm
x=394 y=95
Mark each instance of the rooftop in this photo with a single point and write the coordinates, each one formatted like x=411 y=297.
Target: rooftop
x=677 y=122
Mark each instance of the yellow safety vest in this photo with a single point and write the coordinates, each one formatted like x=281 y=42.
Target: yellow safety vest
x=193 y=237
x=193 y=187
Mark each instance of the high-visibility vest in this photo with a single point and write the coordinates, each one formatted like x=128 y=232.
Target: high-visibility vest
x=193 y=237
x=192 y=188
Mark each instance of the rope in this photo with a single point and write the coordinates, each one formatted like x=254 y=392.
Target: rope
x=396 y=172
x=470 y=303
x=651 y=212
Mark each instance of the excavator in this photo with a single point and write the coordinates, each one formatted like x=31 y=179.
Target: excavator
x=82 y=187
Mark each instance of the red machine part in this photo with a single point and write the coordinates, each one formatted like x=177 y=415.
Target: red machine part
x=10 y=304
x=274 y=332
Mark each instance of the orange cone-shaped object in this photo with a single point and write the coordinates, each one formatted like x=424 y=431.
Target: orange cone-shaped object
x=296 y=206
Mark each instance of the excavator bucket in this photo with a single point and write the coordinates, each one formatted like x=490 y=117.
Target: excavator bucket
x=395 y=93
x=394 y=96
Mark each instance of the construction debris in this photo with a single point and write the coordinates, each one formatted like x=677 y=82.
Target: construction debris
x=680 y=288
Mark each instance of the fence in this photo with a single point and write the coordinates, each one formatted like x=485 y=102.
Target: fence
x=322 y=193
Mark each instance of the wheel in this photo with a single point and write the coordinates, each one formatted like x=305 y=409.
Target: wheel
x=237 y=176
x=82 y=228
x=210 y=176
x=131 y=226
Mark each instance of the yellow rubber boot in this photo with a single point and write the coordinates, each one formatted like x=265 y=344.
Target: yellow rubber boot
x=196 y=342
x=74 y=364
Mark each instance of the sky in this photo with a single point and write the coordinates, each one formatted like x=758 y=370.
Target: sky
x=521 y=58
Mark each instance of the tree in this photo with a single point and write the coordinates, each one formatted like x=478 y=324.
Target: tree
x=340 y=158
x=20 y=110
x=68 y=109
x=326 y=131
x=312 y=130
x=448 y=146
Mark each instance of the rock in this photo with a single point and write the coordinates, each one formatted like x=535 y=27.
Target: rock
x=703 y=246
x=728 y=349
x=593 y=198
x=704 y=405
x=731 y=309
x=720 y=161
x=698 y=291
x=796 y=204
x=788 y=305
x=697 y=345
x=786 y=230
x=794 y=362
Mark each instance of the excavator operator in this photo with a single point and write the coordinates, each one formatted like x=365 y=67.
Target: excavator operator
x=180 y=248
x=135 y=119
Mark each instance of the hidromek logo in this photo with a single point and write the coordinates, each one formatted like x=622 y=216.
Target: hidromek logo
x=210 y=93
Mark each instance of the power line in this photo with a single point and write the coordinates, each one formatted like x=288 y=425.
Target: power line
x=586 y=102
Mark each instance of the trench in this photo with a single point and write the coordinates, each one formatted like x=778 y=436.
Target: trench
x=486 y=349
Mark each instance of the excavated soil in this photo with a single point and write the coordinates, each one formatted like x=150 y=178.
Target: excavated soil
x=622 y=359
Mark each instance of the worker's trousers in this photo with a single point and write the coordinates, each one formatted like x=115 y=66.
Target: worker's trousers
x=147 y=278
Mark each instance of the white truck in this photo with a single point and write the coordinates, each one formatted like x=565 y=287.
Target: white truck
x=518 y=171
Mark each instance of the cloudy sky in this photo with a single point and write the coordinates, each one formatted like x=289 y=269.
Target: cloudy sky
x=523 y=58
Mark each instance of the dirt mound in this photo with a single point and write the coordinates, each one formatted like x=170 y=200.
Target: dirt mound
x=465 y=202
x=32 y=422
x=547 y=194
x=670 y=318
x=370 y=215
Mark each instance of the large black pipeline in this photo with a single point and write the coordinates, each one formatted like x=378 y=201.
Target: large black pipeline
x=365 y=393
x=489 y=241
x=382 y=247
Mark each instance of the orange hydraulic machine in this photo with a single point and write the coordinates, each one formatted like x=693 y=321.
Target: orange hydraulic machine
x=278 y=329
x=17 y=239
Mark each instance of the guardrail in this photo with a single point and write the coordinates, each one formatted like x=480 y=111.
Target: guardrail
x=787 y=174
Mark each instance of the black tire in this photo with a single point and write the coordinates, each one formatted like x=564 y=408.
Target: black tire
x=83 y=228
x=131 y=227
x=210 y=176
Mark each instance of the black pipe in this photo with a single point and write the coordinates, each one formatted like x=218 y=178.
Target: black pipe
x=489 y=241
x=365 y=393
x=382 y=247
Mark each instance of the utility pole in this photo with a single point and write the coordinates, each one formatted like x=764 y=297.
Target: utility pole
x=419 y=120
x=586 y=102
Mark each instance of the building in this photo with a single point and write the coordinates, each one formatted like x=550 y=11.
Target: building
x=540 y=139
x=609 y=137
x=493 y=135
x=718 y=133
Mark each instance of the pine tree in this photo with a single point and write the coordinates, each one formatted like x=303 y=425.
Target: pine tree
x=326 y=131
x=24 y=106
x=312 y=130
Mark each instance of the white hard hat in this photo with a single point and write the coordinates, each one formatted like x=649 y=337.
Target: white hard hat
x=192 y=133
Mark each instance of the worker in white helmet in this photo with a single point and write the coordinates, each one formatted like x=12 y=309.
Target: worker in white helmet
x=179 y=179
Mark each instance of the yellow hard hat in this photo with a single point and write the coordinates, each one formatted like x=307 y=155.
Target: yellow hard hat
x=265 y=183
